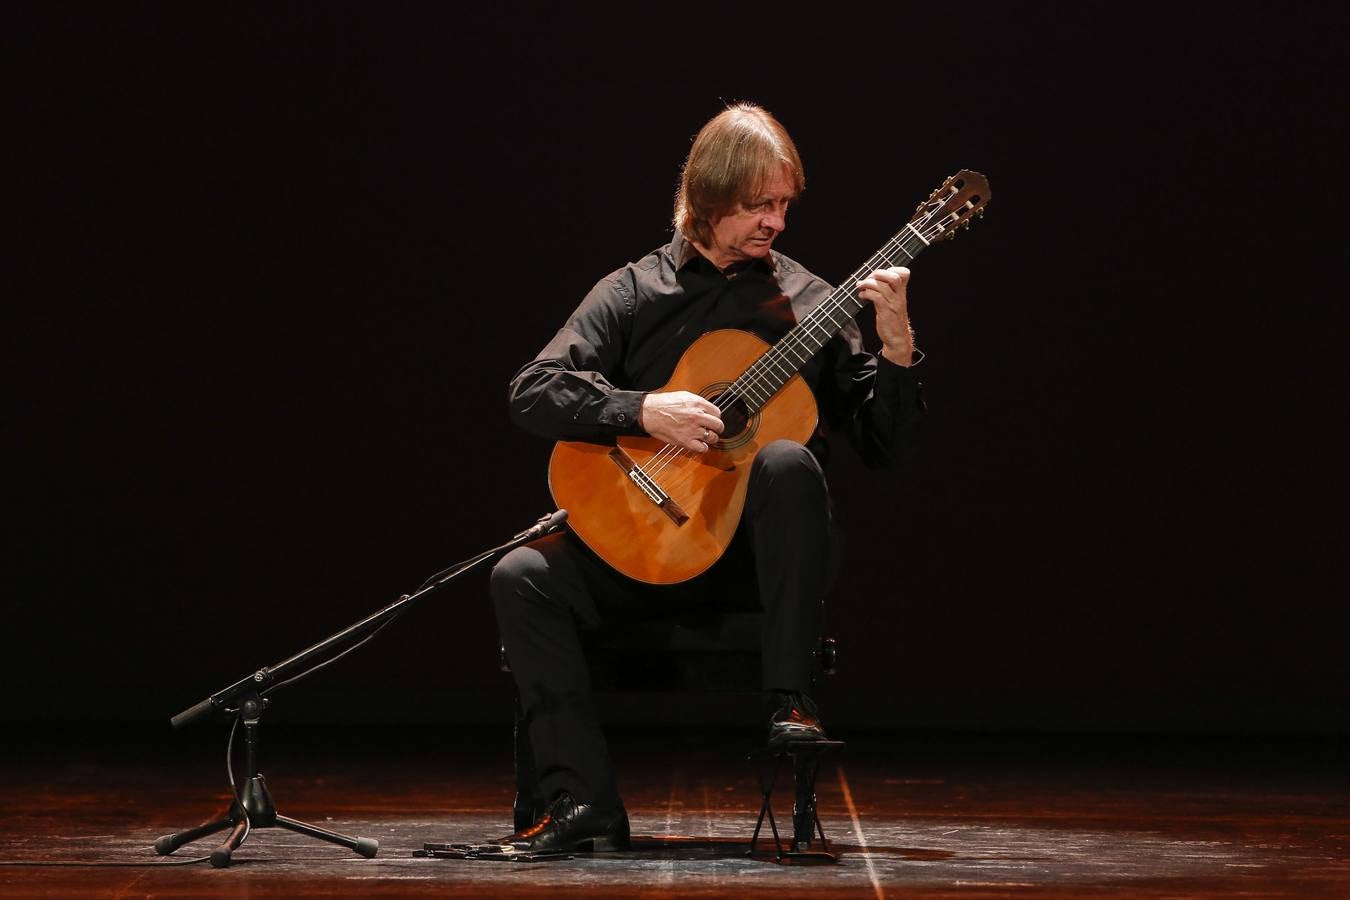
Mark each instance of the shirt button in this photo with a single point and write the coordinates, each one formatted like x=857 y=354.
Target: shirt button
x=622 y=417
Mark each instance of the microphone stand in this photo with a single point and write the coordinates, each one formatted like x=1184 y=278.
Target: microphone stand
x=252 y=806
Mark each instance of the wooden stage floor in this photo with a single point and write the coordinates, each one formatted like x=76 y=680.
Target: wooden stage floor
x=912 y=817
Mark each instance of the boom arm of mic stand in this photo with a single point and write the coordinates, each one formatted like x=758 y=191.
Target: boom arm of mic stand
x=268 y=676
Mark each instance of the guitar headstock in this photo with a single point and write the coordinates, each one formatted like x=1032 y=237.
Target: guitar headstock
x=952 y=206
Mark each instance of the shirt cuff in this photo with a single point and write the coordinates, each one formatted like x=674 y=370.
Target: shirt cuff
x=897 y=385
x=621 y=411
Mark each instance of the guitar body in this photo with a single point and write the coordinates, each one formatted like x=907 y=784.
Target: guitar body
x=672 y=542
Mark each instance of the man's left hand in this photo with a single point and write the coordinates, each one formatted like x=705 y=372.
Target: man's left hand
x=886 y=290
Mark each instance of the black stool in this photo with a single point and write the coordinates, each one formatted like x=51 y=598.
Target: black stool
x=806 y=757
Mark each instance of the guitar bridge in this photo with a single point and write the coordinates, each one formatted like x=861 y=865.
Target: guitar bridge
x=648 y=486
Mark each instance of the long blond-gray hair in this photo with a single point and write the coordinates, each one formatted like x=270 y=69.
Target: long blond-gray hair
x=732 y=158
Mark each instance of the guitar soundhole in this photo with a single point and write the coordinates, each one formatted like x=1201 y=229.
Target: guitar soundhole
x=739 y=424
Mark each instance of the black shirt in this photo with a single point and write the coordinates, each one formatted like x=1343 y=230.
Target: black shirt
x=630 y=331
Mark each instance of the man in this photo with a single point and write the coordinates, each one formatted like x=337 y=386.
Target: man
x=598 y=378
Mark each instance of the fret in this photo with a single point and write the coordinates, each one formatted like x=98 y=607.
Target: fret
x=776 y=366
x=811 y=325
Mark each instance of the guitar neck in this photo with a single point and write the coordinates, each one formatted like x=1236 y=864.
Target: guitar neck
x=766 y=375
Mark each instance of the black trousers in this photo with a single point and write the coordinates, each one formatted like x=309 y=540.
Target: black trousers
x=783 y=558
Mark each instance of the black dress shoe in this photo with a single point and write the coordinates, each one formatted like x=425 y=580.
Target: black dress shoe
x=795 y=719
x=569 y=825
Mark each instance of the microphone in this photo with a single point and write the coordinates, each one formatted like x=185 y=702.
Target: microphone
x=547 y=524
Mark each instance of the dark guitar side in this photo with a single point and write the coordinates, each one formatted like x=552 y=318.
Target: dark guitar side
x=618 y=521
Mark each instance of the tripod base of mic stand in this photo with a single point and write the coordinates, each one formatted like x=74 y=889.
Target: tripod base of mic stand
x=241 y=823
x=253 y=808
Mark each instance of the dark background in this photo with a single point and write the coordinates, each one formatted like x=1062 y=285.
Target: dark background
x=272 y=269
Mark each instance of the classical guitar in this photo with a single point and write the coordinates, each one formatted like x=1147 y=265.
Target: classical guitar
x=660 y=514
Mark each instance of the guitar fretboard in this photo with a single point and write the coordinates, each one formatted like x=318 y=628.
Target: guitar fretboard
x=766 y=375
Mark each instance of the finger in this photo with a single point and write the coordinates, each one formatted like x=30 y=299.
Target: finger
x=699 y=446
x=893 y=279
x=890 y=293
x=888 y=282
x=872 y=289
x=705 y=405
x=712 y=423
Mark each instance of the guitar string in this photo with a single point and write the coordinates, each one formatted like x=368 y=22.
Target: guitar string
x=795 y=340
x=757 y=379
x=754 y=377
x=758 y=376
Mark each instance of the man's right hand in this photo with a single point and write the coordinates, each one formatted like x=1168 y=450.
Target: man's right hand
x=681 y=418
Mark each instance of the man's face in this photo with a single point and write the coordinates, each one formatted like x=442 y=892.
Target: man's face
x=748 y=231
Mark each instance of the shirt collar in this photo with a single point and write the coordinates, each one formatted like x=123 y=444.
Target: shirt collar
x=683 y=253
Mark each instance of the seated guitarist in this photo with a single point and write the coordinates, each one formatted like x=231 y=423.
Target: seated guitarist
x=599 y=378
